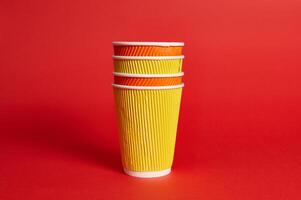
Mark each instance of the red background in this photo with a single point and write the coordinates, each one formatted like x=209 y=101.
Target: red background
x=239 y=128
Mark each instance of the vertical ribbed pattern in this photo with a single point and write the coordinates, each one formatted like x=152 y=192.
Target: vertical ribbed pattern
x=148 y=66
x=147 y=51
x=138 y=81
x=148 y=122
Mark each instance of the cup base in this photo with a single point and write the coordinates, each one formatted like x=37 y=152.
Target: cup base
x=152 y=174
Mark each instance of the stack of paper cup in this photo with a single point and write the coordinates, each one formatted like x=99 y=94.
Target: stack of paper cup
x=147 y=88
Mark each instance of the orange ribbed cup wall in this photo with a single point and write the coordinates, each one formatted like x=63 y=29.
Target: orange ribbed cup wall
x=142 y=81
x=148 y=50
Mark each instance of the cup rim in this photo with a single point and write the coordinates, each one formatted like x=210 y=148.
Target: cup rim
x=148 y=57
x=148 y=75
x=163 y=44
x=148 y=87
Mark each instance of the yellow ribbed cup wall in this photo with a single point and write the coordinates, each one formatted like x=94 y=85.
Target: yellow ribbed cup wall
x=148 y=121
x=148 y=66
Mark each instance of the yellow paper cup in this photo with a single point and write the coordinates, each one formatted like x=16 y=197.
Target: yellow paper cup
x=148 y=65
x=148 y=119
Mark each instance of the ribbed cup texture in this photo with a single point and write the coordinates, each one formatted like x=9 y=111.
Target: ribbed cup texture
x=148 y=122
x=138 y=81
x=148 y=66
x=147 y=51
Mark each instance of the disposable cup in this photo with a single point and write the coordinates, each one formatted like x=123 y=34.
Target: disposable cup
x=147 y=79
x=147 y=119
x=148 y=48
x=148 y=65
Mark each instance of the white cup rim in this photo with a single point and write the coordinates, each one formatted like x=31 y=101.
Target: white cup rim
x=148 y=57
x=148 y=75
x=148 y=87
x=163 y=44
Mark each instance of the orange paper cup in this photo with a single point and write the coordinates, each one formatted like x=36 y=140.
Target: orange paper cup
x=148 y=48
x=147 y=79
